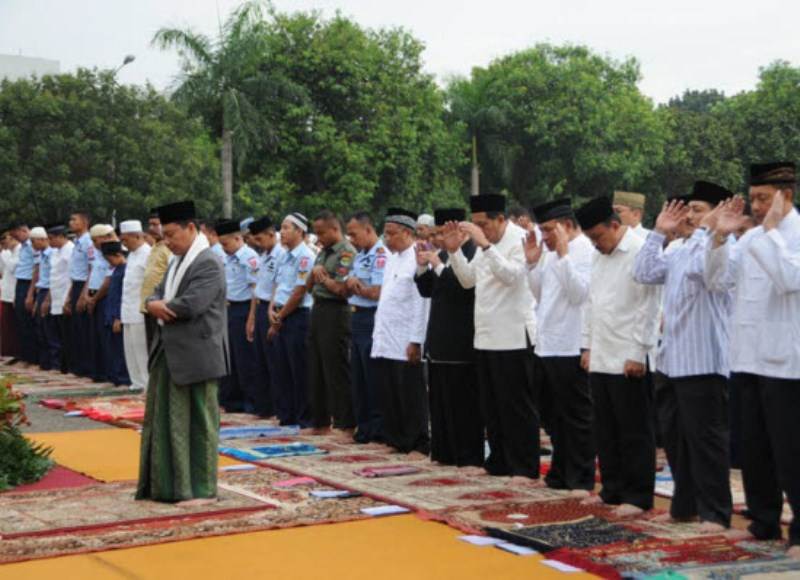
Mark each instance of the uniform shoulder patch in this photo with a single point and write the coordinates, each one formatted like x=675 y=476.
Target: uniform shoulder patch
x=304 y=261
x=380 y=262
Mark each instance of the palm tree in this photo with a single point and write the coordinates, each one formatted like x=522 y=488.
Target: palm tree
x=224 y=79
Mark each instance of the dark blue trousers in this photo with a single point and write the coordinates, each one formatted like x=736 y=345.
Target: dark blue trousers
x=42 y=350
x=365 y=388
x=25 y=324
x=290 y=371
x=100 y=340
x=79 y=342
x=117 y=369
x=240 y=392
x=264 y=394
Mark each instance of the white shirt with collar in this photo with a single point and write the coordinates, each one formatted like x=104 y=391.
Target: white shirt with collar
x=561 y=289
x=59 y=277
x=504 y=305
x=132 y=285
x=622 y=316
x=8 y=285
x=400 y=318
x=640 y=231
x=763 y=270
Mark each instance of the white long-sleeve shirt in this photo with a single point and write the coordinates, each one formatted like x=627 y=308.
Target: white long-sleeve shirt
x=8 y=285
x=400 y=318
x=561 y=289
x=763 y=269
x=622 y=316
x=504 y=305
x=695 y=338
x=59 y=277
x=130 y=312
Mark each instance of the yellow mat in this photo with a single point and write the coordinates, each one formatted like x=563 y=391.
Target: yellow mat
x=105 y=454
x=394 y=548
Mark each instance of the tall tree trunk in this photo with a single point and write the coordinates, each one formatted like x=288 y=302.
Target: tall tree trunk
x=475 y=181
x=227 y=174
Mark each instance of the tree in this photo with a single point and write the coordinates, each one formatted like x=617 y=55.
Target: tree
x=568 y=122
x=224 y=81
x=83 y=141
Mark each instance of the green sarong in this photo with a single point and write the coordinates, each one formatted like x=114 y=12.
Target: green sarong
x=179 y=454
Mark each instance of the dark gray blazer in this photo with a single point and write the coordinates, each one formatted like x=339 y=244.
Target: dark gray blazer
x=196 y=344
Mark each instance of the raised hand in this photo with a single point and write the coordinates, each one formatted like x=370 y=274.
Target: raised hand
x=533 y=249
x=709 y=221
x=474 y=232
x=451 y=237
x=776 y=212
x=673 y=213
x=731 y=217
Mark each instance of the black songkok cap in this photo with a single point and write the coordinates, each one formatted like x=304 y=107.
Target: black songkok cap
x=402 y=217
x=259 y=225
x=594 y=212
x=488 y=202
x=176 y=212
x=709 y=193
x=556 y=209
x=449 y=214
x=775 y=173
x=225 y=227
x=111 y=248
x=56 y=229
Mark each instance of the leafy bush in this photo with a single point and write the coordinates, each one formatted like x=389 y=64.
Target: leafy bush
x=21 y=461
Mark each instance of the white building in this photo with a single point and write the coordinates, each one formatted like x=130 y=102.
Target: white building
x=17 y=67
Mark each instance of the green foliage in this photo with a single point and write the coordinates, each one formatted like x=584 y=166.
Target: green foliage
x=83 y=141
x=20 y=460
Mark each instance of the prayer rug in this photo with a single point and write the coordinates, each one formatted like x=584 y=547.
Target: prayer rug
x=270 y=451
x=387 y=471
x=280 y=508
x=652 y=555
x=257 y=431
x=57 y=478
x=51 y=511
x=780 y=569
x=587 y=532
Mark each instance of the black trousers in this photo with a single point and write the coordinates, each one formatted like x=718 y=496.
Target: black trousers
x=770 y=452
x=25 y=324
x=239 y=390
x=64 y=324
x=79 y=342
x=693 y=419
x=290 y=376
x=404 y=403
x=329 y=386
x=100 y=342
x=510 y=411
x=263 y=394
x=43 y=354
x=566 y=386
x=457 y=433
x=366 y=395
x=624 y=437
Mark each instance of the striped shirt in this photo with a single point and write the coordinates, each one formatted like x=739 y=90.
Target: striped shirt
x=695 y=339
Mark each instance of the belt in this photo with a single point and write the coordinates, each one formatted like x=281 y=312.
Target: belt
x=237 y=302
x=363 y=308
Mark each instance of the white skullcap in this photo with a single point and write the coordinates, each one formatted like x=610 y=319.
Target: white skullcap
x=101 y=230
x=38 y=233
x=426 y=220
x=130 y=227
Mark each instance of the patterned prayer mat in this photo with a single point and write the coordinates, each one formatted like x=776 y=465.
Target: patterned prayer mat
x=293 y=506
x=47 y=512
x=108 y=409
x=781 y=569
x=652 y=555
x=270 y=451
x=587 y=532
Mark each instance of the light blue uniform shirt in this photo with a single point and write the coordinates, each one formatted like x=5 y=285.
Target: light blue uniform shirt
x=241 y=272
x=101 y=269
x=293 y=270
x=27 y=260
x=217 y=249
x=79 y=260
x=267 y=272
x=368 y=267
x=44 y=269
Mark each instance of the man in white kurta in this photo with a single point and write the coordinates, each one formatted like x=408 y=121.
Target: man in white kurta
x=59 y=290
x=619 y=330
x=763 y=270
x=505 y=331
x=134 y=337
x=397 y=339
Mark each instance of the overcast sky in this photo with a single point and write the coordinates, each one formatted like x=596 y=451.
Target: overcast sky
x=681 y=44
